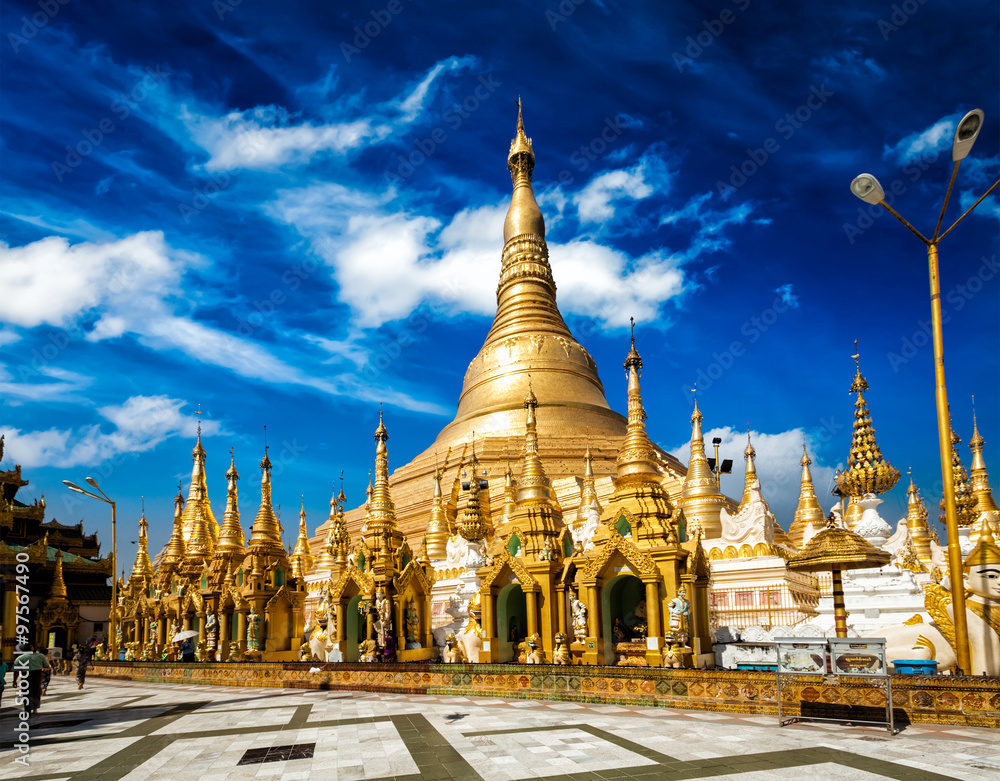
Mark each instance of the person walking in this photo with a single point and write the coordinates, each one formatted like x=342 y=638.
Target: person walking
x=47 y=672
x=3 y=678
x=31 y=664
x=80 y=660
x=187 y=650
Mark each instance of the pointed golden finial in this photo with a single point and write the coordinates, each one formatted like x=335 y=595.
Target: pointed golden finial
x=523 y=217
x=980 y=477
x=636 y=456
x=534 y=483
x=808 y=510
x=231 y=540
x=142 y=569
x=965 y=500
x=867 y=471
x=302 y=557
x=749 y=456
x=265 y=534
x=58 y=590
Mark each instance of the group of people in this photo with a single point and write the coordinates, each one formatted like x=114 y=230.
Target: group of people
x=36 y=665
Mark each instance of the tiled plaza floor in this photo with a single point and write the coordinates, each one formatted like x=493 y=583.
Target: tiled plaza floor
x=144 y=732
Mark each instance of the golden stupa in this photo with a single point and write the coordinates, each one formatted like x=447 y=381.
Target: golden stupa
x=528 y=344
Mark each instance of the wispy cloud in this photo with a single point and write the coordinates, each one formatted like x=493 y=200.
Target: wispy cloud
x=923 y=144
x=139 y=424
x=787 y=293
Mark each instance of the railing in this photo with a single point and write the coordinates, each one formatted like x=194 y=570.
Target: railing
x=764 y=607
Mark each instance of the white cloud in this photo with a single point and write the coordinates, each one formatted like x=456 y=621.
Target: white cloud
x=132 y=285
x=787 y=293
x=140 y=424
x=924 y=144
x=21 y=381
x=777 y=465
x=50 y=282
x=594 y=203
x=609 y=286
x=268 y=137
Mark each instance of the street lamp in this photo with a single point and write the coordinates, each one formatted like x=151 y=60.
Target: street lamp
x=867 y=188
x=112 y=621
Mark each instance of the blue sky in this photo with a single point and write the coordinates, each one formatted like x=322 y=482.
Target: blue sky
x=290 y=214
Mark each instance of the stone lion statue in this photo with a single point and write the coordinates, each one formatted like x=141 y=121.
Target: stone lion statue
x=535 y=655
x=453 y=652
x=561 y=655
x=235 y=654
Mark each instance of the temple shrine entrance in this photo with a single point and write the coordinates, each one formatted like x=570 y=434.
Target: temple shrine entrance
x=354 y=629
x=512 y=620
x=623 y=611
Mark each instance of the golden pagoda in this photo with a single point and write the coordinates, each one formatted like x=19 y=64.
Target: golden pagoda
x=701 y=499
x=867 y=471
x=917 y=527
x=302 y=558
x=142 y=569
x=528 y=337
x=265 y=534
x=986 y=510
x=436 y=536
x=965 y=500
x=199 y=522
x=808 y=512
x=750 y=477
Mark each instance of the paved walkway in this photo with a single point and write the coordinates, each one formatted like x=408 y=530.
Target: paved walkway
x=149 y=732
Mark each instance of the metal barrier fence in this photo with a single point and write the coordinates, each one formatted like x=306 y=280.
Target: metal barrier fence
x=766 y=607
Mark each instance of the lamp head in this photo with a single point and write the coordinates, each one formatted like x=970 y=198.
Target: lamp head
x=73 y=487
x=716 y=440
x=92 y=483
x=867 y=188
x=966 y=134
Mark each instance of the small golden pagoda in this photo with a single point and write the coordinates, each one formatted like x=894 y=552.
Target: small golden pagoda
x=701 y=500
x=867 y=471
x=808 y=513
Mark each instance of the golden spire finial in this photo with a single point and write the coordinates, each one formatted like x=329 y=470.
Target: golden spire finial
x=808 y=510
x=471 y=526
x=980 y=477
x=381 y=516
x=302 y=557
x=265 y=534
x=534 y=483
x=916 y=522
x=142 y=569
x=636 y=456
x=965 y=499
x=436 y=536
x=174 y=555
x=58 y=590
x=523 y=217
x=749 y=456
x=588 y=494
x=231 y=540
x=867 y=471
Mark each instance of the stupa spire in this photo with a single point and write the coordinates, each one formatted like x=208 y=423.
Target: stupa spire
x=534 y=484
x=750 y=456
x=980 y=477
x=142 y=569
x=472 y=526
x=302 y=558
x=523 y=216
x=174 y=555
x=701 y=499
x=58 y=590
x=965 y=500
x=231 y=538
x=381 y=511
x=265 y=535
x=636 y=456
x=916 y=523
x=436 y=536
x=588 y=493
x=200 y=528
x=808 y=510
x=867 y=471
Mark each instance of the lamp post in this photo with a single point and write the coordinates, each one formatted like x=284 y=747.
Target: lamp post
x=867 y=188
x=112 y=617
